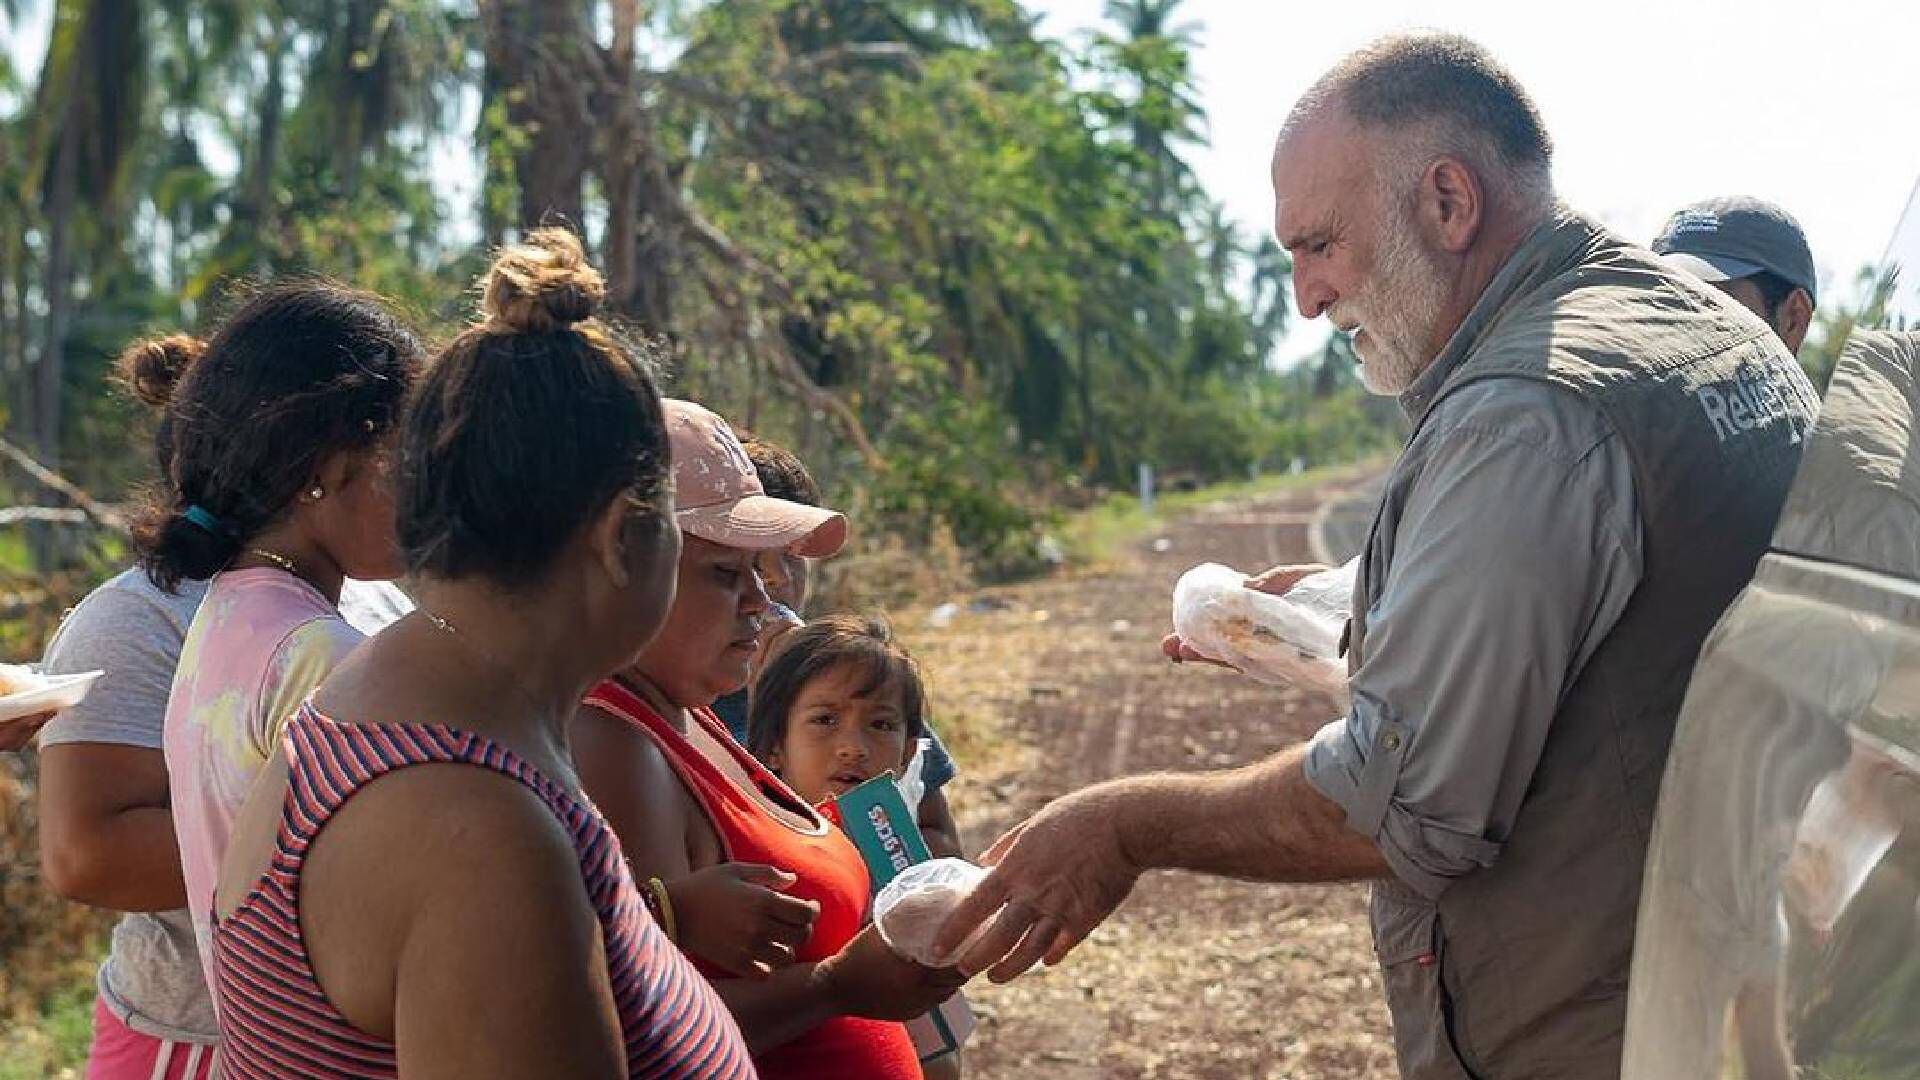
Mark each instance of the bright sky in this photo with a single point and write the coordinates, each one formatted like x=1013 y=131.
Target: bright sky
x=1813 y=104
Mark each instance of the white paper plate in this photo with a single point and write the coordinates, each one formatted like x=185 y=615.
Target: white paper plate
x=55 y=692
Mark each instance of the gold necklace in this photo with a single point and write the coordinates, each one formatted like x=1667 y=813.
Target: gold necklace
x=275 y=558
x=474 y=651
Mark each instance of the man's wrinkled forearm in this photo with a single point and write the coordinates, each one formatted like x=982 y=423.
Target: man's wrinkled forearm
x=1261 y=822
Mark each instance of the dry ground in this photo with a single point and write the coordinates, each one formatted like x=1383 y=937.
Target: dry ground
x=1053 y=685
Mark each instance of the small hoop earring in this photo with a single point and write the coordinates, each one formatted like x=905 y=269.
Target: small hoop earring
x=316 y=493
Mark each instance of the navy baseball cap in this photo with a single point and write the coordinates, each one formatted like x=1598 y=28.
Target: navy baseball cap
x=1732 y=238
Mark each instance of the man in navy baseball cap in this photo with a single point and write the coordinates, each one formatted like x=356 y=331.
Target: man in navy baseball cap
x=1751 y=250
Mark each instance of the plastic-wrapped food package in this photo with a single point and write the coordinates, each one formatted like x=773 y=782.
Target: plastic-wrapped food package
x=780 y=613
x=24 y=691
x=913 y=906
x=1291 y=640
x=911 y=780
x=18 y=679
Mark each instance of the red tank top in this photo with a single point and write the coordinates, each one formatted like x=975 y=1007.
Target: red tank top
x=829 y=870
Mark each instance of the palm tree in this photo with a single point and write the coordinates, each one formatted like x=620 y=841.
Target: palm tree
x=1220 y=246
x=85 y=121
x=14 y=212
x=71 y=157
x=540 y=67
x=1272 y=273
x=195 y=47
x=380 y=66
x=1164 y=113
x=1153 y=19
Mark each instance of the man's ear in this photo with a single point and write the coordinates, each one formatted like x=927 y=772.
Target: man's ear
x=1792 y=319
x=1451 y=205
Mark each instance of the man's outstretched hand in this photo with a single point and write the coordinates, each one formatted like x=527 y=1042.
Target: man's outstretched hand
x=1054 y=879
x=1277 y=581
x=1061 y=873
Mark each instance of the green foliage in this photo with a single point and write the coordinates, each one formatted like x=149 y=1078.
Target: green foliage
x=941 y=482
x=1827 y=338
x=57 y=1041
x=987 y=246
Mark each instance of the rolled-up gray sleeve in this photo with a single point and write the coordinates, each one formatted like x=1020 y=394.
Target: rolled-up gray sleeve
x=1516 y=547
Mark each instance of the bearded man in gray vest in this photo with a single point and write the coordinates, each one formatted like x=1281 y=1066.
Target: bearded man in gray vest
x=1600 y=447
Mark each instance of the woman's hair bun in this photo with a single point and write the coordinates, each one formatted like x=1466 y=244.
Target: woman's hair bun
x=542 y=284
x=152 y=368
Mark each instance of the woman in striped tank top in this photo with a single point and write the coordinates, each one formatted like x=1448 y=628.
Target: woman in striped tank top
x=418 y=887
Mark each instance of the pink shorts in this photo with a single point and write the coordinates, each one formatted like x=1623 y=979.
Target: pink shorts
x=121 y=1053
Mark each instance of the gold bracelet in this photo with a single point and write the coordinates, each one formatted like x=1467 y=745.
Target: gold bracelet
x=663 y=907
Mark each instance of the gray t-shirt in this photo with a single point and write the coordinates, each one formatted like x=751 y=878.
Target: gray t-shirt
x=133 y=631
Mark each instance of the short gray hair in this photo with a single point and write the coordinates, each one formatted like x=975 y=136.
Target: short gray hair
x=1444 y=94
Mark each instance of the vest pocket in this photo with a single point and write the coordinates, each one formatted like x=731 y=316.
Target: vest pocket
x=1412 y=955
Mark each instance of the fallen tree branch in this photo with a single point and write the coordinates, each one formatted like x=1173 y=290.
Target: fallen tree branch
x=55 y=515
x=784 y=364
x=92 y=507
x=722 y=247
x=669 y=205
x=747 y=330
x=858 y=51
x=788 y=368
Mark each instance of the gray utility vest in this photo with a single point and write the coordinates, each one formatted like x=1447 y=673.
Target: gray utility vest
x=1520 y=969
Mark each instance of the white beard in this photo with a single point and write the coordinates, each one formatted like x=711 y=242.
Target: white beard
x=1398 y=309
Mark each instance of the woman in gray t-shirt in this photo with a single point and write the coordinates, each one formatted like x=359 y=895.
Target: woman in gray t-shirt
x=106 y=826
x=106 y=830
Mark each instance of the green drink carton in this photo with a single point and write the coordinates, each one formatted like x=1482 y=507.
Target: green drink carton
x=883 y=829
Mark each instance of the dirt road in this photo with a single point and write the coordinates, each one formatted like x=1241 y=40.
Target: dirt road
x=1194 y=977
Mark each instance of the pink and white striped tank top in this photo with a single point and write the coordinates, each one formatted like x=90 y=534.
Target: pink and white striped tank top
x=275 y=1021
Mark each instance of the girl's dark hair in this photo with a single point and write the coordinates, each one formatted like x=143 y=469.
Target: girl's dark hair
x=866 y=642
x=782 y=474
x=528 y=424
x=149 y=370
x=299 y=372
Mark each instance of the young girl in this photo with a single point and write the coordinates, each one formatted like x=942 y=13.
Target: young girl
x=839 y=703
x=789 y=579
x=277 y=492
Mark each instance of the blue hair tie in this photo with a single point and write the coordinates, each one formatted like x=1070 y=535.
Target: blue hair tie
x=199 y=515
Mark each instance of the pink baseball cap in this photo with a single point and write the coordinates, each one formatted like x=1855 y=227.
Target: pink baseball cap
x=718 y=497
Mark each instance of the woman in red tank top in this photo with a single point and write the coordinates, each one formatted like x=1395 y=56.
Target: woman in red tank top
x=832 y=1005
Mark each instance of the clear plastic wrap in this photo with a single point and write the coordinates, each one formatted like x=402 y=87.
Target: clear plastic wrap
x=912 y=907
x=18 y=679
x=24 y=691
x=1291 y=640
x=912 y=779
